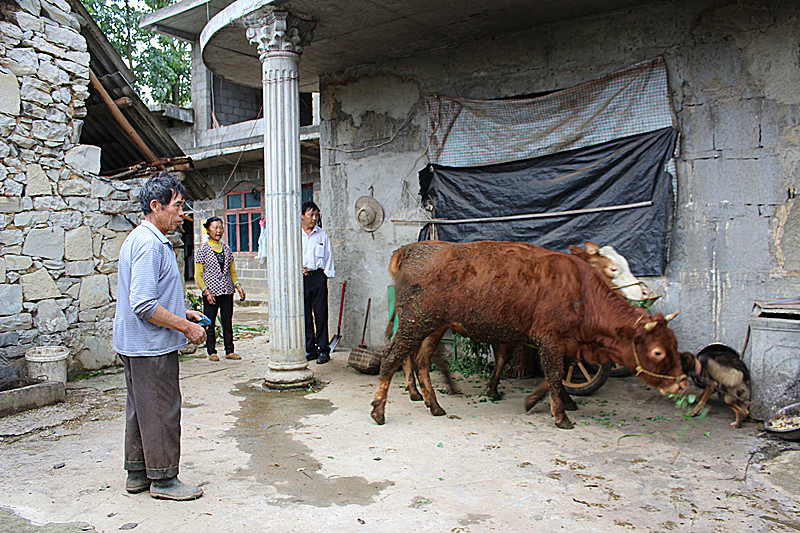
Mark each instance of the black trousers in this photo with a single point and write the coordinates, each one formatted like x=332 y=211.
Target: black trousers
x=315 y=300
x=225 y=306
x=153 y=415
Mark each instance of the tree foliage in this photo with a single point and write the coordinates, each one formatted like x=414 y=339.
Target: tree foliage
x=162 y=65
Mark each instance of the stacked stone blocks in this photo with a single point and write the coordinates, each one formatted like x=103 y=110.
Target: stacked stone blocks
x=61 y=224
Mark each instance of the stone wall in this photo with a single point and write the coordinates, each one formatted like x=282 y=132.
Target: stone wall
x=61 y=225
x=735 y=88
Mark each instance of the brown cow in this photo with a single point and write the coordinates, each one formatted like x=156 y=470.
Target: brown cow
x=515 y=292
x=613 y=269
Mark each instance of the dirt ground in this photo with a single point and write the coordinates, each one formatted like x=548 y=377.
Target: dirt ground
x=309 y=460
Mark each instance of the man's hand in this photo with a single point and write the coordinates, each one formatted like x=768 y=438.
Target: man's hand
x=239 y=288
x=193 y=316
x=195 y=332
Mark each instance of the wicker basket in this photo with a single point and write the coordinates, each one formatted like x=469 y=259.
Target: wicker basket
x=365 y=361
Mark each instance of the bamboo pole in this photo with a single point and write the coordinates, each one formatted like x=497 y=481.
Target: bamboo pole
x=527 y=216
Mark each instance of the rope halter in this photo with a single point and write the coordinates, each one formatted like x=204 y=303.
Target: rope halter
x=641 y=370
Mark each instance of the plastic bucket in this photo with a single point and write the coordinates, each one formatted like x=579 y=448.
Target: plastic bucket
x=48 y=362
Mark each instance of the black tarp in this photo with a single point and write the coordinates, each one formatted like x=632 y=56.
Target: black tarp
x=623 y=171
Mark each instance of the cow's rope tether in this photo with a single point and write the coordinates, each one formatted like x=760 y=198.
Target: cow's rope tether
x=617 y=287
x=641 y=370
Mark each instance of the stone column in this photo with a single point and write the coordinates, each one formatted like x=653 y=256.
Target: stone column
x=280 y=37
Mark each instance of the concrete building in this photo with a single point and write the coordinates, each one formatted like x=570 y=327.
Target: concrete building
x=732 y=82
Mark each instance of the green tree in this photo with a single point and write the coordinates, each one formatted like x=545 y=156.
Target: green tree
x=162 y=65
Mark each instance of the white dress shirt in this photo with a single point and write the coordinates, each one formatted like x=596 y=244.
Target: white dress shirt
x=317 y=252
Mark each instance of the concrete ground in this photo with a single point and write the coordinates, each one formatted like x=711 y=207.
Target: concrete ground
x=311 y=460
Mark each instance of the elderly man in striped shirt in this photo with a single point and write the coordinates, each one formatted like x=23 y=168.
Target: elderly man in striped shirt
x=150 y=325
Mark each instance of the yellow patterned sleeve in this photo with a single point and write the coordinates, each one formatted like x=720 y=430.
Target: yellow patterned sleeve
x=234 y=278
x=198 y=276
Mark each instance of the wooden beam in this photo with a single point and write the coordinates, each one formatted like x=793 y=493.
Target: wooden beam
x=99 y=109
x=120 y=118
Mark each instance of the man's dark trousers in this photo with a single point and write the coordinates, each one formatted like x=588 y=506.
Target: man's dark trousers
x=153 y=415
x=315 y=299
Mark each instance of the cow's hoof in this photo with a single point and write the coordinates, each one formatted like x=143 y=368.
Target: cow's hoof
x=565 y=423
x=494 y=396
x=378 y=417
x=438 y=411
x=415 y=396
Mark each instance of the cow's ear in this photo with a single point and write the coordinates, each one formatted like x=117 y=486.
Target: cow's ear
x=574 y=250
x=591 y=247
x=625 y=332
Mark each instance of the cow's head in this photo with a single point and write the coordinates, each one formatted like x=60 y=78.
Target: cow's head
x=613 y=268
x=653 y=353
x=628 y=284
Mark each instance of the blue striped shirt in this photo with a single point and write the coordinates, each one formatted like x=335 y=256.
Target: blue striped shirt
x=148 y=276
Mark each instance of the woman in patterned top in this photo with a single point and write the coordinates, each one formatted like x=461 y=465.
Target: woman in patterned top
x=215 y=275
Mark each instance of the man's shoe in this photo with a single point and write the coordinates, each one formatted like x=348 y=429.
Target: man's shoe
x=137 y=481
x=311 y=356
x=233 y=356
x=213 y=357
x=174 y=489
x=323 y=358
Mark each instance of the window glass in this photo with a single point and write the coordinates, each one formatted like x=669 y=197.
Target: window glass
x=232 y=233
x=244 y=235
x=235 y=201
x=307 y=192
x=252 y=199
x=256 y=231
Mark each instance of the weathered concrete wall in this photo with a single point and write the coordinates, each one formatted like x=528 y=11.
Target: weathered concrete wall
x=735 y=87
x=61 y=225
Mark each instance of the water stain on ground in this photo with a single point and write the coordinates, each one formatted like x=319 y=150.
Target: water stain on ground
x=262 y=430
x=13 y=523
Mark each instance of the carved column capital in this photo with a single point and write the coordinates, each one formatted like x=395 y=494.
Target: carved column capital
x=277 y=31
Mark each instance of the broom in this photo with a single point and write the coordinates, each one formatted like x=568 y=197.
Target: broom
x=362 y=359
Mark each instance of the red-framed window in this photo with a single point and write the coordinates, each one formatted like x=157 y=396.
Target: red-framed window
x=242 y=213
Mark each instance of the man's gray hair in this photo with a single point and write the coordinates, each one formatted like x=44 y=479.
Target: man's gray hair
x=163 y=187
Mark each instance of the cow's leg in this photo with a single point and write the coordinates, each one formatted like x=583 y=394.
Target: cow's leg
x=391 y=360
x=552 y=359
x=444 y=366
x=423 y=361
x=703 y=399
x=534 y=397
x=502 y=354
x=411 y=383
x=566 y=399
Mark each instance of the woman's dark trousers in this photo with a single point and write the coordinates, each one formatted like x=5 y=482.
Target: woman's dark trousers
x=225 y=306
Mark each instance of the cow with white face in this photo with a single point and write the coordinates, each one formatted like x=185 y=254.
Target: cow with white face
x=614 y=270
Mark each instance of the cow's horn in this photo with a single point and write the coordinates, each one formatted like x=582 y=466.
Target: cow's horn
x=650 y=325
x=671 y=316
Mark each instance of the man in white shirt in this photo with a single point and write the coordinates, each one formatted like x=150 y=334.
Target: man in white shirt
x=317 y=268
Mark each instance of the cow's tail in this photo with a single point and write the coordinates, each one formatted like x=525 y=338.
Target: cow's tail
x=394 y=267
